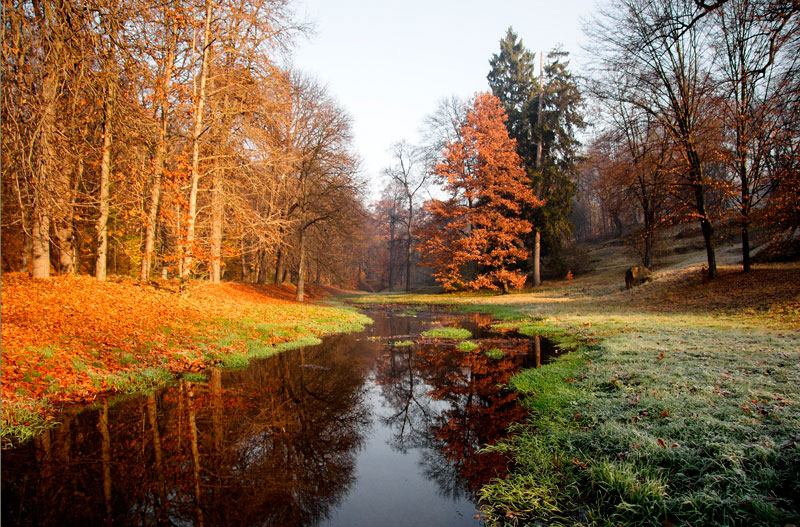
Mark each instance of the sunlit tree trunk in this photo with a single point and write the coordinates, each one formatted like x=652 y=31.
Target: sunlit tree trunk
x=217 y=209
x=159 y=161
x=152 y=214
x=40 y=242
x=105 y=181
x=197 y=131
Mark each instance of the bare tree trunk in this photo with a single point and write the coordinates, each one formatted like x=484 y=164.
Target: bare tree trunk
x=245 y=276
x=217 y=210
x=100 y=270
x=200 y=100
x=537 y=237
x=65 y=231
x=648 y=250
x=261 y=259
x=66 y=250
x=745 y=208
x=408 y=244
x=537 y=258
x=301 y=269
x=391 y=253
x=745 y=247
x=40 y=246
x=700 y=204
x=62 y=224
x=40 y=243
x=160 y=159
x=280 y=265
x=25 y=258
x=152 y=214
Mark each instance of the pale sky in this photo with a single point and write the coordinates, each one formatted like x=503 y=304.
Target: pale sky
x=389 y=63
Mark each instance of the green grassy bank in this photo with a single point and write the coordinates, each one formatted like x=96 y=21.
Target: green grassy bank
x=653 y=418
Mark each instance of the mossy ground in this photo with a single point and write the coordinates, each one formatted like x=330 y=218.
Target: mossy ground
x=679 y=403
x=447 y=333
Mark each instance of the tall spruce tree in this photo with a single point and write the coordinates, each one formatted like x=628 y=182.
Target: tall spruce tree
x=544 y=115
x=512 y=80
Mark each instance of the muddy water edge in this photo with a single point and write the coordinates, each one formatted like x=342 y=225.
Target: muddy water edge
x=381 y=427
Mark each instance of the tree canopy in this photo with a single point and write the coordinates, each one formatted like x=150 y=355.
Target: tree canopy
x=474 y=238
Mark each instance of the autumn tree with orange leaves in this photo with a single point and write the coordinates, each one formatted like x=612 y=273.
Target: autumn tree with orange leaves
x=474 y=238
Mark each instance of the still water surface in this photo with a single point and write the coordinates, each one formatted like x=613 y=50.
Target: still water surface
x=355 y=431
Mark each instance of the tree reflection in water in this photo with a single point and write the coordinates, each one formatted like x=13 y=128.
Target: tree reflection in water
x=274 y=445
x=448 y=404
x=277 y=443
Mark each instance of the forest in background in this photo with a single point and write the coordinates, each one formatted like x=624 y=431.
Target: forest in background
x=171 y=140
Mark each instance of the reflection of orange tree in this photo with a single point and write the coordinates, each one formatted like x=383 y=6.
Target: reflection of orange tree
x=448 y=403
x=276 y=445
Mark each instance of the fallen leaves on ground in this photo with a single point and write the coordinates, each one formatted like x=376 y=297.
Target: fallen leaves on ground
x=62 y=337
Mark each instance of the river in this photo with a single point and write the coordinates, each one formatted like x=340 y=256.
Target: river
x=362 y=429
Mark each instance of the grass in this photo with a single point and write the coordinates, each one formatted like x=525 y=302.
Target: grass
x=23 y=421
x=468 y=346
x=139 y=381
x=403 y=343
x=47 y=352
x=677 y=403
x=495 y=353
x=195 y=377
x=447 y=333
x=127 y=358
x=659 y=427
x=78 y=364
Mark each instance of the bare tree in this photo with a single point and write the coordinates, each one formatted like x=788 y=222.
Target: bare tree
x=751 y=64
x=165 y=57
x=668 y=75
x=323 y=171
x=409 y=174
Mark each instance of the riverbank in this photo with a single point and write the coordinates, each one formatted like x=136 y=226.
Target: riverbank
x=679 y=404
x=74 y=339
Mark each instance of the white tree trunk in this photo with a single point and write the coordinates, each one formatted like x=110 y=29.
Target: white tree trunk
x=200 y=101
x=40 y=242
x=100 y=270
